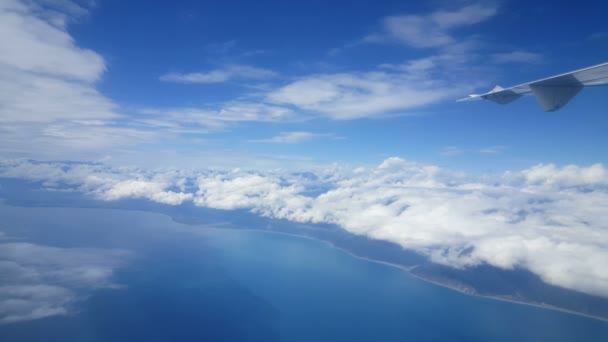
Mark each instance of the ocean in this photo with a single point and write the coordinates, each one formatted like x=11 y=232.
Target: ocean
x=200 y=283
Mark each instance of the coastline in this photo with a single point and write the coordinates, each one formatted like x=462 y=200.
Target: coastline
x=408 y=270
x=223 y=225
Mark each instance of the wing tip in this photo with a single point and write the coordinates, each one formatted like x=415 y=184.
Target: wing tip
x=471 y=97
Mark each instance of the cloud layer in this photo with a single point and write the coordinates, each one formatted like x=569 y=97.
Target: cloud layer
x=547 y=219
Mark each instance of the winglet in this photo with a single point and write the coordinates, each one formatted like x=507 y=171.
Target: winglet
x=471 y=97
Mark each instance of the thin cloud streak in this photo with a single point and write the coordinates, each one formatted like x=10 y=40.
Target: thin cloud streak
x=228 y=73
x=295 y=137
x=517 y=57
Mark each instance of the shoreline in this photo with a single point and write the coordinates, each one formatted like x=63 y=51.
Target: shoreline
x=407 y=269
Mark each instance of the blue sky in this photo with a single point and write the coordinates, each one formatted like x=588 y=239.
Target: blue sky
x=275 y=84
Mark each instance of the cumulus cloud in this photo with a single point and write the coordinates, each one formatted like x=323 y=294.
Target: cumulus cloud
x=41 y=281
x=225 y=74
x=154 y=191
x=546 y=219
x=103 y=182
x=568 y=176
x=434 y=29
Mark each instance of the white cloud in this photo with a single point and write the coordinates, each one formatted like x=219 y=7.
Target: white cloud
x=182 y=118
x=30 y=97
x=434 y=29
x=232 y=191
x=52 y=108
x=44 y=76
x=294 y=137
x=349 y=96
x=517 y=57
x=35 y=44
x=225 y=74
x=568 y=176
x=29 y=302
x=554 y=232
x=547 y=219
x=40 y=281
x=465 y=16
x=50 y=104
x=154 y=191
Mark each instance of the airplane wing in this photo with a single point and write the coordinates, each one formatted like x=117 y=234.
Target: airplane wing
x=553 y=92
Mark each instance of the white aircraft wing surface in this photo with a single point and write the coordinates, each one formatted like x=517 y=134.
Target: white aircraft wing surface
x=553 y=92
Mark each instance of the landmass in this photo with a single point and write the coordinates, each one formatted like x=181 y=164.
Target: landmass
x=516 y=286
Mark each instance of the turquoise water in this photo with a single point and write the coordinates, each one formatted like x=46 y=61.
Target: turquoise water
x=195 y=283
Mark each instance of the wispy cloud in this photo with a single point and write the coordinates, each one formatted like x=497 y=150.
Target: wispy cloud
x=215 y=119
x=225 y=74
x=434 y=29
x=348 y=96
x=517 y=57
x=230 y=50
x=294 y=137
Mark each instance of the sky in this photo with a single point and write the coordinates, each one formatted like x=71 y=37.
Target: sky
x=275 y=84
x=340 y=113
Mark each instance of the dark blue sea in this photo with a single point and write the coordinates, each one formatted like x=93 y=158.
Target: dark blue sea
x=199 y=283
